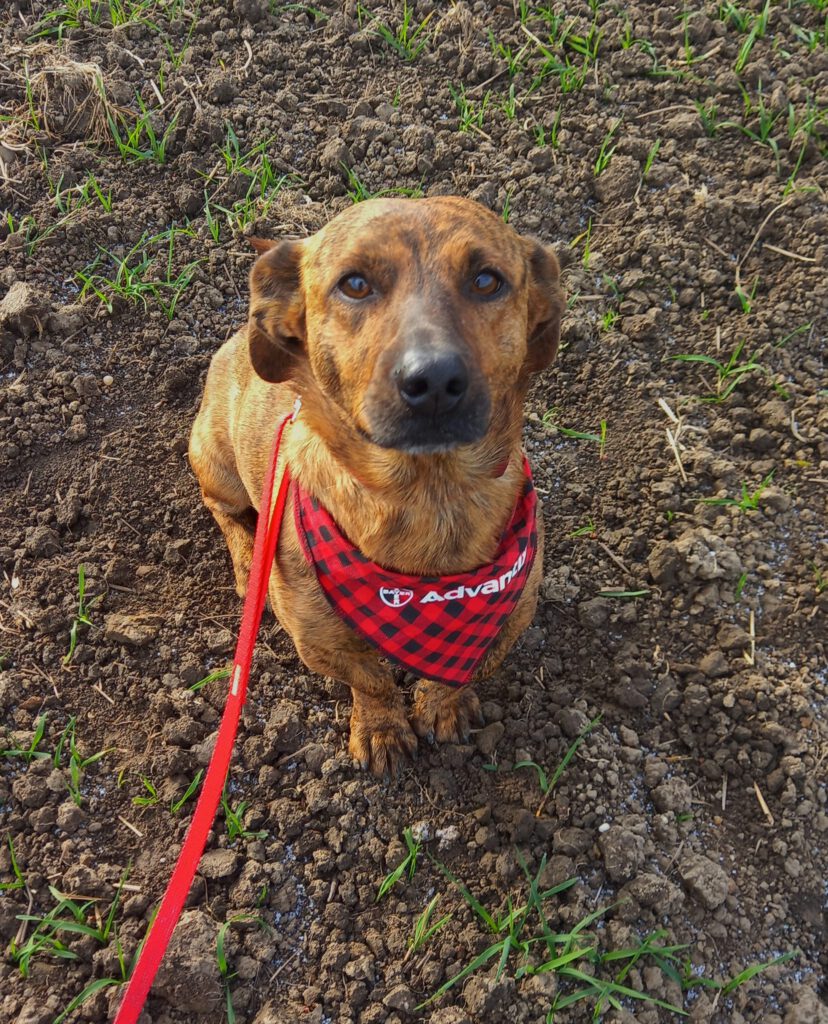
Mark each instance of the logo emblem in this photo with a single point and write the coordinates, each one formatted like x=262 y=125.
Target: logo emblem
x=395 y=597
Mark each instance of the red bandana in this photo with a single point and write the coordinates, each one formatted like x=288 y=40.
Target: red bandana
x=438 y=627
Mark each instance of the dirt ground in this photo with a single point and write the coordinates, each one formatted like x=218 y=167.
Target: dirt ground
x=693 y=813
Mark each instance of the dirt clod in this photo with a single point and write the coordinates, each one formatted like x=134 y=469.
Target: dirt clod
x=704 y=880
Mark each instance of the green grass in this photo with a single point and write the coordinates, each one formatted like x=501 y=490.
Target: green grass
x=33 y=234
x=177 y=804
x=264 y=184
x=525 y=944
x=729 y=375
x=748 y=501
x=408 y=864
x=151 y=798
x=359 y=191
x=548 y=136
x=66 y=743
x=33 y=751
x=586 y=237
x=515 y=60
x=19 y=880
x=140 y=140
x=147 y=272
x=606 y=149
x=587 y=530
x=67 y=918
x=77 y=763
x=519 y=941
x=408 y=39
x=234 y=820
x=424 y=929
x=81 y=616
x=471 y=112
x=71 y=199
x=708 y=115
x=547 y=784
x=548 y=420
x=621 y=595
x=211 y=677
x=225 y=971
x=651 y=155
x=76 y=13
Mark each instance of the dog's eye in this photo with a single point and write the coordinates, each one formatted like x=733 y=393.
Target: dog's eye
x=355 y=287
x=487 y=283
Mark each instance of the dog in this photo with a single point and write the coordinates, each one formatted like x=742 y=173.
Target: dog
x=409 y=329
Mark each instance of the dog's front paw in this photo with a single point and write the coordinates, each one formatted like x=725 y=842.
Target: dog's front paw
x=382 y=739
x=443 y=714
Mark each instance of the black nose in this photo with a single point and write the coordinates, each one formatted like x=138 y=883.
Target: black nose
x=431 y=384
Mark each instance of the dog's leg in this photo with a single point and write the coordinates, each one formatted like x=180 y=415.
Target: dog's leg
x=225 y=496
x=238 y=526
x=381 y=736
x=444 y=714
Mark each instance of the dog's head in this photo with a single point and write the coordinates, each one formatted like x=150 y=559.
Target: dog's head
x=414 y=319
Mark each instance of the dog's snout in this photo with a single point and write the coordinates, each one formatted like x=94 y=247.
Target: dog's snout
x=431 y=384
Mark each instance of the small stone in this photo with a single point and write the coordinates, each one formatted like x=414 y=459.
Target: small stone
x=182 y=731
x=774 y=499
x=218 y=864
x=623 y=853
x=41 y=540
x=335 y=155
x=673 y=795
x=70 y=817
x=30 y=789
x=284 y=727
x=23 y=309
x=129 y=629
x=571 y=841
x=664 y=562
x=761 y=440
x=488 y=738
x=77 y=429
x=315 y=755
x=806 y=1008
x=572 y=721
x=704 y=880
x=220 y=87
x=400 y=998
x=714 y=665
x=594 y=613
x=651 y=891
x=187 y=978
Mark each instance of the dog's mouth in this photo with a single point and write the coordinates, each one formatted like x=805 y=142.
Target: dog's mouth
x=416 y=434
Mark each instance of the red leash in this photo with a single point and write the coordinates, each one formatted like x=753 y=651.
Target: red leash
x=264 y=551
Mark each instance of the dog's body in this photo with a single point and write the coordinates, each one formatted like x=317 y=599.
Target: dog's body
x=409 y=328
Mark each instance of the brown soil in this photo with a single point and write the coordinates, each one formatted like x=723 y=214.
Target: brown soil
x=711 y=684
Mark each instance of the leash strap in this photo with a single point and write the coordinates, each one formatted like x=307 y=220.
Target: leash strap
x=264 y=551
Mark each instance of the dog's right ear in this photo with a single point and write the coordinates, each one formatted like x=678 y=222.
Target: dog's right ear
x=276 y=325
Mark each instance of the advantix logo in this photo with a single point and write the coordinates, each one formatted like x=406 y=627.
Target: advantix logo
x=397 y=597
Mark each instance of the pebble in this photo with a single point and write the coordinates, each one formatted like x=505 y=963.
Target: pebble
x=673 y=795
x=218 y=863
x=705 y=881
x=488 y=738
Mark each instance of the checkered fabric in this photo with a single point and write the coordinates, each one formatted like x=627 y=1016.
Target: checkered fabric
x=438 y=627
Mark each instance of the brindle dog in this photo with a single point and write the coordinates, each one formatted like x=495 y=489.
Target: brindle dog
x=409 y=327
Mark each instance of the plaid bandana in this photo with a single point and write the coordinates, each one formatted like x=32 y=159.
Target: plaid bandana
x=438 y=627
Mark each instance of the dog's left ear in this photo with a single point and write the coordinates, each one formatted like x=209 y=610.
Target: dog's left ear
x=276 y=325
x=546 y=306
